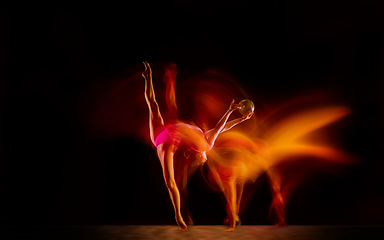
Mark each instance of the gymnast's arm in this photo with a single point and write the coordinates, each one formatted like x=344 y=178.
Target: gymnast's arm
x=231 y=124
x=211 y=137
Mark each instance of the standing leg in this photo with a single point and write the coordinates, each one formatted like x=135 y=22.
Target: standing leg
x=165 y=152
x=155 y=118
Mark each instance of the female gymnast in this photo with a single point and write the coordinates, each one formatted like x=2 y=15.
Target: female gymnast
x=168 y=137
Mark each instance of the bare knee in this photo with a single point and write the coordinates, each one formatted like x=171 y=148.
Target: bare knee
x=165 y=153
x=171 y=184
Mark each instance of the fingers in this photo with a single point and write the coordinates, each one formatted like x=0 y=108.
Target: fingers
x=247 y=116
x=233 y=105
x=236 y=106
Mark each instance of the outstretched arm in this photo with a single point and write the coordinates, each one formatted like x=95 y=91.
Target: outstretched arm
x=231 y=124
x=212 y=134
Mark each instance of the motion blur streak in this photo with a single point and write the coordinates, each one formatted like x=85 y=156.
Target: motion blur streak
x=170 y=79
x=291 y=135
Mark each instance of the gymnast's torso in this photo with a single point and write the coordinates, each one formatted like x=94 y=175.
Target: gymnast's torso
x=182 y=133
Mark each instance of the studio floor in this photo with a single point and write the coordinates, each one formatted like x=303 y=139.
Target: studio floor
x=216 y=232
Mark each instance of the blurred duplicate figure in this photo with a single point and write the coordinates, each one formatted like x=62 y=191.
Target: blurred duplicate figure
x=191 y=139
x=236 y=159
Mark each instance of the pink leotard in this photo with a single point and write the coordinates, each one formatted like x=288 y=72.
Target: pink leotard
x=188 y=134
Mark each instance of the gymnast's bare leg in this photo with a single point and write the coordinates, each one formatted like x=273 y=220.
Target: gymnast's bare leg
x=165 y=151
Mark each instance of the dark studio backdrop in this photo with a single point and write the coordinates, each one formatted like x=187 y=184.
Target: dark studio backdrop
x=59 y=61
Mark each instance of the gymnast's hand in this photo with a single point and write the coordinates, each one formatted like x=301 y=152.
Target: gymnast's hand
x=147 y=73
x=234 y=106
x=247 y=116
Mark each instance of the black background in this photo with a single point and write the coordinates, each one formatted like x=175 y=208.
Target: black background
x=55 y=169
